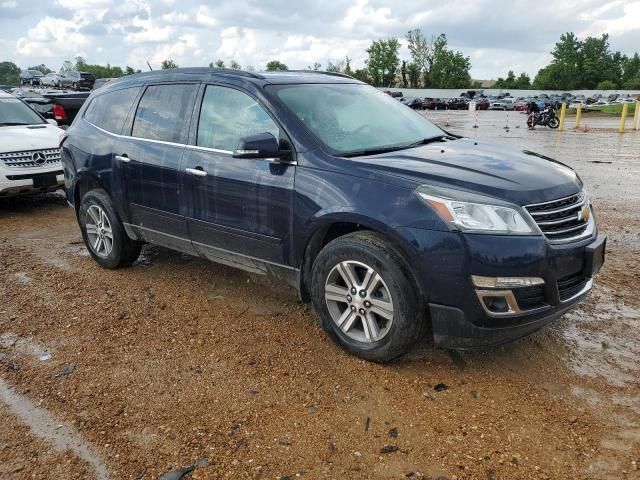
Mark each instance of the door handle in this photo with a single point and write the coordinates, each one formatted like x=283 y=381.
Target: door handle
x=122 y=158
x=198 y=171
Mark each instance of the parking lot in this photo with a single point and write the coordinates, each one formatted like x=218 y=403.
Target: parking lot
x=177 y=362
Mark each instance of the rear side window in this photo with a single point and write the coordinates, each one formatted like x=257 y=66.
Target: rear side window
x=228 y=115
x=163 y=112
x=109 y=111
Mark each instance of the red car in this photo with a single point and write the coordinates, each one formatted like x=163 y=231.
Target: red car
x=481 y=103
x=520 y=106
x=434 y=104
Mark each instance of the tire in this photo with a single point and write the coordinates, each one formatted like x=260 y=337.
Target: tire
x=123 y=251
x=392 y=334
x=553 y=122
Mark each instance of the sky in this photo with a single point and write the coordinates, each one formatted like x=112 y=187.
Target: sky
x=497 y=35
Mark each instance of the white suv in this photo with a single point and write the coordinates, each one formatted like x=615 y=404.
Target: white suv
x=29 y=150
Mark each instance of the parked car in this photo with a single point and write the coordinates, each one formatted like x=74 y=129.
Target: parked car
x=434 y=104
x=415 y=103
x=460 y=103
x=76 y=80
x=29 y=150
x=502 y=104
x=50 y=80
x=59 y=106
x=30 y=77
x=521 y=105
x=482 y=103
x=388 y=228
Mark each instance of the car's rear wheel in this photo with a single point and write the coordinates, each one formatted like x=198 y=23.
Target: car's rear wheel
x=364 y=294
x=103 y=232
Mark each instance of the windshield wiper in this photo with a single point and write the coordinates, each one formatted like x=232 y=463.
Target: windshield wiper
x=394 y=148
x=13 y=124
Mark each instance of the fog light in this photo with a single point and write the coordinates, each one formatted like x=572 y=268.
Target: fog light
x=506 y=282
x=496 y=304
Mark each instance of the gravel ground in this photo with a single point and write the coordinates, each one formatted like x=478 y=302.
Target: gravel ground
x=177 y=362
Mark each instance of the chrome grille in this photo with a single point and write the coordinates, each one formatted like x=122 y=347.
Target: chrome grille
x=25 y=159
x=565 y=219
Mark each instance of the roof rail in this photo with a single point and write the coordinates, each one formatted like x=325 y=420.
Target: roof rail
x=201 y=70
x=323 y=72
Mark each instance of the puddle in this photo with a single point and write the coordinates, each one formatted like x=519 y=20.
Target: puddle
x=45 y=426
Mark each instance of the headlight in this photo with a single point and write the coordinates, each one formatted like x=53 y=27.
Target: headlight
x=474 y=215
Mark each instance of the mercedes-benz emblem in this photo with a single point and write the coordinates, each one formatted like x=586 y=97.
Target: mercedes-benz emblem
x=39 y=158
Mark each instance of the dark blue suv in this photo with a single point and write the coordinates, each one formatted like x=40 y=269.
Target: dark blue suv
x=389 y=225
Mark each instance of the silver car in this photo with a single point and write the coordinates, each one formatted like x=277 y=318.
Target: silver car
x=50 y=79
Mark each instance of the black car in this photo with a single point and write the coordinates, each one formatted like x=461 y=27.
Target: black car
x=76 y=80
x=390 y=226
x=30 y=77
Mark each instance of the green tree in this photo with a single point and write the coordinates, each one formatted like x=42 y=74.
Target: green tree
x=632 y=83
x=422 y=52
x=597 y=62
x=563 y=73
x=450 y=69
x=523 y=82
x=347 y=67
x=218 y=64
x=167 y=64
x=403 y=73
x=275 y=66
x=362 y=74
x=9 y=73
x=382 y=62
x=129 y=70
x=413 y=72
x=606 y=85
x=235 y=65
x=630 y=69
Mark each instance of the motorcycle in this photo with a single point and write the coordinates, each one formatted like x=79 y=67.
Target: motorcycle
x=547 y=117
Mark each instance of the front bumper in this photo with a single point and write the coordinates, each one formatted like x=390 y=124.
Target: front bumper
x=29 y=181
x=446 y=261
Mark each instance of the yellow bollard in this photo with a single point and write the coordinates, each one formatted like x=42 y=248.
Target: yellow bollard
x=623 y=118
x=563 y=112
x=578 y=115
x=636 y=116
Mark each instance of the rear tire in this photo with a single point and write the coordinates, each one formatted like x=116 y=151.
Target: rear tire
x=103 y=232
x=387 y=313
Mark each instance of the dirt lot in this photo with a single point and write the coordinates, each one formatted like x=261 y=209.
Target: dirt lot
x=177 y=362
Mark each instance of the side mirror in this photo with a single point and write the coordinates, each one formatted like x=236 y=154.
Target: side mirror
x=261 y=145
x=52 y=122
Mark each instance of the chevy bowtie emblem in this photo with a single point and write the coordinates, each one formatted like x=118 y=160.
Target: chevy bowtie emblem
x=38 y=158
x=584 y=214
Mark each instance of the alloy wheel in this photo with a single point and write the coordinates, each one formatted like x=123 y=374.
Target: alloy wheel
x=99 y=231
x=359 y=301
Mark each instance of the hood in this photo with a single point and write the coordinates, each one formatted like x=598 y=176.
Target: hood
x=29 y=137
x=518 y=176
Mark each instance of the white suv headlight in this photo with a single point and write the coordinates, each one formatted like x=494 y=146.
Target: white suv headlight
x=474 y=216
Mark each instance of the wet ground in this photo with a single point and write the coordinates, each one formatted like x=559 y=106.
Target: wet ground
x=176 y=362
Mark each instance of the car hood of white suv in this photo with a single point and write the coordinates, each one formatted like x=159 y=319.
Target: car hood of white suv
x=20 y=138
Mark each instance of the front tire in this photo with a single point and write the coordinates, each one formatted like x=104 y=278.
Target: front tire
x=103 y=232
x=365 y=297
x=553 y=122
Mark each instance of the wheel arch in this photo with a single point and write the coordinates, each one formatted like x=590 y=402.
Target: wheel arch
x=336 y=225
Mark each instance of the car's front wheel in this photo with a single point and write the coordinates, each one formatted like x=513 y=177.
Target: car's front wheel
x=364 y=294
x=103 y=232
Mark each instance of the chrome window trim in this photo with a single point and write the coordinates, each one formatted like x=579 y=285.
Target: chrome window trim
x=118 y=135
x=209 y=149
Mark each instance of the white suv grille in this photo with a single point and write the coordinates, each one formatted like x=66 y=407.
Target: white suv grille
x=31 y=158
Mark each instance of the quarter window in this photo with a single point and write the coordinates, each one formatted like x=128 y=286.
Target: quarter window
x=164 y=111
x=228 y=115
x=109 y=111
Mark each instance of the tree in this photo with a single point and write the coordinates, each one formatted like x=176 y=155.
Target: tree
x=450 y=69
x=129 y=70
x=167 y=64
x=563 y=73
x=597 y=62
x=41 y=68
x=523 y=82
x=347 y=67
x=219 y=63
x=403 y=72
x=421 y=51
x=413 y=72
x=362 y=74
x=337 y=67
x=630 y=69
x=99 y=71
x=275 y=66
x=9 y=73
x=382 y=62
x=606 y=85
x=235 y=65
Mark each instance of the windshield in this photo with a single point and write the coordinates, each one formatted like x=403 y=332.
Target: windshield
x=350 y=118
x=14 y=112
